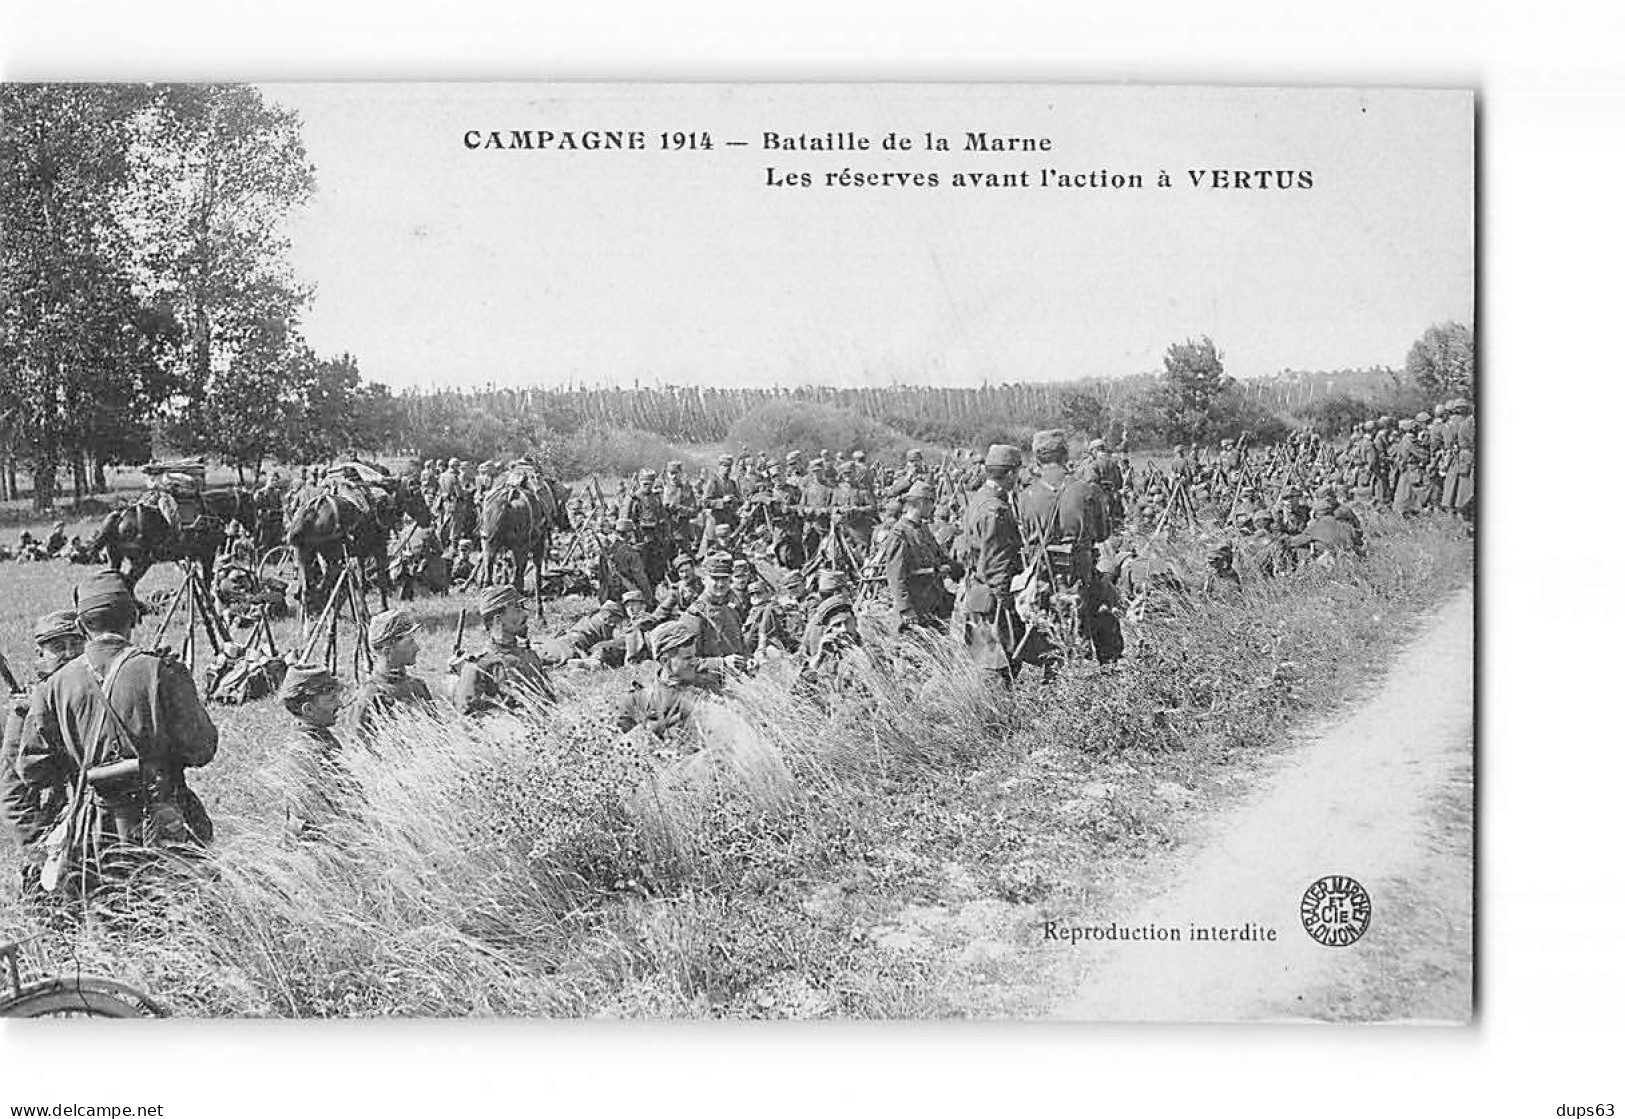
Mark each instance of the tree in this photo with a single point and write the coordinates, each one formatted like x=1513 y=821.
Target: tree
x=215 y=171
x=1442 y=362
x=327 y=421
x=80 y=352
x=1193 y=380
x=1083 y=412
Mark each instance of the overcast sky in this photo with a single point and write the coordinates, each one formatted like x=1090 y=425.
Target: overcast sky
x=435 y=264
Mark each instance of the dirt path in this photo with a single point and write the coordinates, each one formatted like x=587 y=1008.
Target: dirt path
x=1384 y=795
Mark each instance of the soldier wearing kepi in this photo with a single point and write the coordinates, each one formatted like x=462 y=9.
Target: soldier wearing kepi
x=995 y=633
x=509 y=669
x=119 y=725
x=393 y=637
x=1065 y=515
x=664 y=703
x=28 y=812
x=723 y=632
x=915 y=565
x=324 y=783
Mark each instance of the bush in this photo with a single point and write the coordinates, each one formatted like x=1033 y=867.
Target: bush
x=614 y=451
x=784 y=425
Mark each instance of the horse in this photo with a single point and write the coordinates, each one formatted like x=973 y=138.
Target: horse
x=142 y=535
x=520 y=520
x=333 y=521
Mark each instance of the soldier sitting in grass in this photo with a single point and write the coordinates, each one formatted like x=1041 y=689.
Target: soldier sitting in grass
x=393 y=637
x=501 y=677
x=663 y=702
x=323 y=782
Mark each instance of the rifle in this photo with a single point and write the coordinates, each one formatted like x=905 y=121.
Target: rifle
x=457 y=643
x=5 y=674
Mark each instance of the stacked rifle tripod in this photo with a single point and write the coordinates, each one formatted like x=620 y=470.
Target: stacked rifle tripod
x=346 y=604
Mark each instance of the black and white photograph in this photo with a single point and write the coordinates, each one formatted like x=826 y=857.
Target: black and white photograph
x=712 y=551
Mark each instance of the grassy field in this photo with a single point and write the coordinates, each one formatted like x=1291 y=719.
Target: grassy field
x=861 y=858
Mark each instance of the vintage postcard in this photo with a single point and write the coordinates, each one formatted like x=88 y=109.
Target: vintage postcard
x=738 y=551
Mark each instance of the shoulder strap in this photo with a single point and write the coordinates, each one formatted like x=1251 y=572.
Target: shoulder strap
x=103 y=683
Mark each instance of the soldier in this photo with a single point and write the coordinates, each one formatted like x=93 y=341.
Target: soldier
x=856 y=510
x=1326 y=536
x=832 y=630
x=236 y=585
x=723 y=635
x=766 y=626
x=996 y=634
x=508 y=671
x=595 y=636
x=58 y=539
x=664 y=704
x=119 y=725
x=1461 y=457
x=721 y=500
x=913 y=471
x=28 y=812
x=651 y=525
x=639 y=622
x=1411 y=459
x=393 y=637
x=1109 y=477
x=816 y=497
x=620 y=567
x=1064 y=515
x=324 y=789
x=915 y=565
x=682 y=591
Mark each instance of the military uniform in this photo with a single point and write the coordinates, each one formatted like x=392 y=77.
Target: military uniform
x=1068 y=515
x=118 y=702
x=386 y=690
x=723 y=633
x=992 y=547
x=914 y=566
x=498 y=677
x=620 y=568
x=647 y=512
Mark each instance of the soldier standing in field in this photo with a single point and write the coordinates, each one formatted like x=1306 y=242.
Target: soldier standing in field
x=119 y=726
x=915 y=565
x=29 y=811
x=996 y=634
x=855 y=508
x=509 y=670
x=620 y=568
x=651 y=526
x=816 y=496
x=1461 y=456
x=393 y=637
x=721 y=500
x=1065 y=515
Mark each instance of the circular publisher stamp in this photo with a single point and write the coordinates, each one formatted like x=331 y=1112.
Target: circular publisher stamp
x=1336 y=910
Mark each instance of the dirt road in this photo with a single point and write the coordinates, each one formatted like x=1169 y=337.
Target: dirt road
x=1383 y=794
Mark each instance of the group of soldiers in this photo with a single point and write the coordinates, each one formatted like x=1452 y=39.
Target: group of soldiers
x=1027 y=556
x=58 y=544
